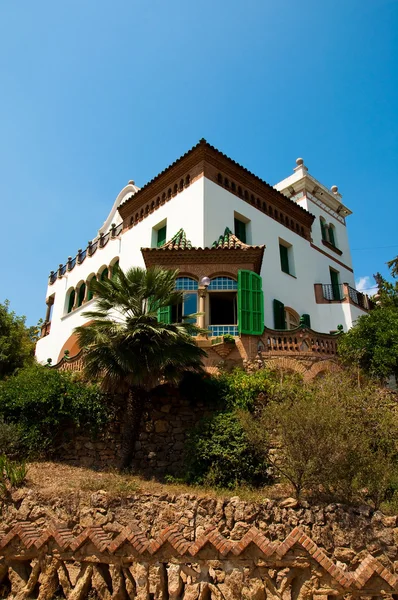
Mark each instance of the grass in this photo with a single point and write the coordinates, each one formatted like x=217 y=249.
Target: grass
x=53 y=480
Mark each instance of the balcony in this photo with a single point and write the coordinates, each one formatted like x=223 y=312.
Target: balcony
x=327 y=293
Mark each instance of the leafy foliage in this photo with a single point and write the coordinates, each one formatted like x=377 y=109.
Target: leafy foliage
x=43 y=401
x=333 y=436
x=11 y=442
x=219 y=454
x=12 y=474
x=372 y=344
x=16 y=345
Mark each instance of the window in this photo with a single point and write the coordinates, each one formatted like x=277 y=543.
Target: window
x=332 y=235
x=250 y=303
x=104 y=275
x=292 y=319
x=240 y=230
x=71 y=301
x=81 y=294
x=335 y=285
x=161 y=236
x=189 y=305
x=323 y=228
x=90 y=294
x=286 y=257
x=115 y=267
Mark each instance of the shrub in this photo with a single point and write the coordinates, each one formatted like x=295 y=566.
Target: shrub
x=43 y=402
x=11 y=443
x=12 y=474
x=219 y=454
x=332 y=436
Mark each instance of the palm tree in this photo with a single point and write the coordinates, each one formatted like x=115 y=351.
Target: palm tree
x=129 y=349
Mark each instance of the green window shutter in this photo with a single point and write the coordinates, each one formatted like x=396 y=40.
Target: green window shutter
x=331 y=236
x=164 y=315
x=82 y=293
x=240 y=230
x=104 y=274
x=90 y=294
x=114 y=269
x=279 y=315
x=283 y=251
x=323 y=230
x=161 y=236
x=334 y=279
x=71 y=300
x=305 y=320
x=250 y=303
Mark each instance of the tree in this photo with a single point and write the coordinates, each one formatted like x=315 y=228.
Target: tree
x=129 y=348
x=372 y=344
x=331 y=436
x=16 y=346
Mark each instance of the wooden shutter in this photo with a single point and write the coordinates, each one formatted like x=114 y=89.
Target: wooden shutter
x=82 y=293
x=279 y=315
x=283 y=251
x=104 y=274
x=323 y=230
x=71 y=300
x=161 y=236
x=90 y=295
x=240 y=230
x=250 y=303
x=164 y=315
x=331 y=236
x=334 y=278
x=114 y=269
x=305 y=320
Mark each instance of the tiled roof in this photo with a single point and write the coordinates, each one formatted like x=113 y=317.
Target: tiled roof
x=229 y=240
x=178 y=242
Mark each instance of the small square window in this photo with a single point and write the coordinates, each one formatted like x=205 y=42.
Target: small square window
x=161 y=236
x=240 y=230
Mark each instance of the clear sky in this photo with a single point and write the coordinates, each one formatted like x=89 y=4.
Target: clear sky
x=94 y=93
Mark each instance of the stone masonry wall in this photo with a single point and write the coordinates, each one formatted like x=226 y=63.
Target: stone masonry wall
x=164 y=546
x=160 y=447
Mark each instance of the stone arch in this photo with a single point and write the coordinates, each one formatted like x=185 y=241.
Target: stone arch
x=286 y=364
x=322 y=366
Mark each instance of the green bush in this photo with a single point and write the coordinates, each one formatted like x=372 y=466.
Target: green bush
x=218 y=454
x=11 y=442
x=12 y=474
x=42 y=402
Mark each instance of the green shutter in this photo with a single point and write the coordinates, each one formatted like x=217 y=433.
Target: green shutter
x=114 y=269
x=331 y=236
x=90 y=295
x=240 y=230
x=161 y=236
x=283 y=251
x=305 y=320
x=104 y=274
x=71 y=300
x=82 y=293
x=334 y=278
x=323 y=230
x=279 y=315
x=250 y=303
x=164 y=315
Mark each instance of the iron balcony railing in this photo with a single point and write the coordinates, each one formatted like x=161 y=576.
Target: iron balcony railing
x=333 y=291
x=342 y=291
x=81 y=255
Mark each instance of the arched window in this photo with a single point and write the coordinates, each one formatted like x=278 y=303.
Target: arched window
x=223 y=283
x=292 y=319
x=90 y=294
x=332 y=234
x=323 y=228
x=81 y=294
x=115 y=267
x=71 y=300
x=186 y=283
x=104 y=275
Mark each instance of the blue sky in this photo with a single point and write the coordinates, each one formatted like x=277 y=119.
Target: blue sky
x=95 y=93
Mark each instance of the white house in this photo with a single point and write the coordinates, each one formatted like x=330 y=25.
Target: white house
x=249 y=255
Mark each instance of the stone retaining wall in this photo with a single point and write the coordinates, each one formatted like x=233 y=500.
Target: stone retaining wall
x=160 y=447
x=193 y=548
